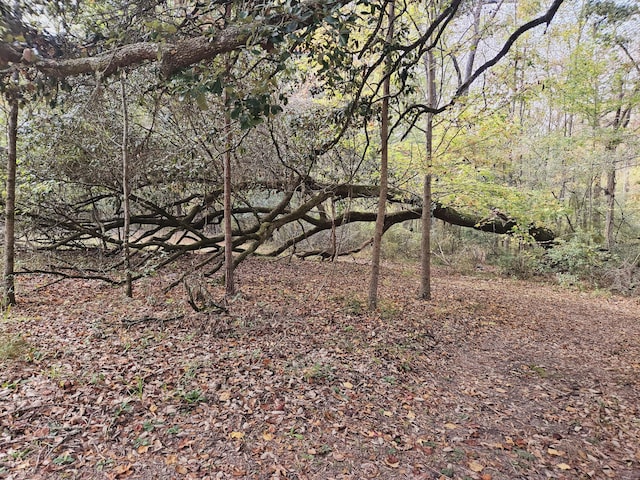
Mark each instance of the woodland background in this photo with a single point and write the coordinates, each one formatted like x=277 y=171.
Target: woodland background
x=126 y=118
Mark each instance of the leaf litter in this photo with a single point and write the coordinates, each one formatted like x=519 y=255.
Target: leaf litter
x=493 y=379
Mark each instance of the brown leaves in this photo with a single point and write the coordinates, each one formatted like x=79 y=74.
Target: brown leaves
x=301 y=386
x=121 y=471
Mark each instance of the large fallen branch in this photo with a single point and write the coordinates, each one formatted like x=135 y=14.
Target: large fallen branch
x=174 y=234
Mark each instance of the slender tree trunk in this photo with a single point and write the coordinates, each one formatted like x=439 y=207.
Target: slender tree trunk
x=229 y=267
x=229 y=282
x=610 y=194
x=126 y=188
x=384 y=174
x=425 y=247
x=334 y=237
x=473 y=49
x=425 y=244
x=9 y=294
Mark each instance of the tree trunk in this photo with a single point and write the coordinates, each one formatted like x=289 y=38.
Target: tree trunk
x=384 y=186
x=475 y=42
x=126 y=189
x=334 y=237
x=425 y=244
x=610 y=194
x=229 y=282
x=425 y=247
x=9 y=294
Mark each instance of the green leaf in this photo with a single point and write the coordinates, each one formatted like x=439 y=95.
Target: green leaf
x=201 y=100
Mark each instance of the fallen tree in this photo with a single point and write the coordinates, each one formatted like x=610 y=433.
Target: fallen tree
x=161 y=235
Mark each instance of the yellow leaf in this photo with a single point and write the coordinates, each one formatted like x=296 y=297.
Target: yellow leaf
x=224 y=396
x=181 y=469
x=563 y=466
x=122 y=469
x=411 y=415
x=387 y=413
x=553 y=451
x=450 y=426
x=143 y=448
x=475 y=466
x=267 y=436
x=153 y=408
x=237 y=435
x=171 y=459
x=347 y=385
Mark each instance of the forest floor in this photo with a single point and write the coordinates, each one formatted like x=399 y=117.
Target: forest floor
x=493 y=379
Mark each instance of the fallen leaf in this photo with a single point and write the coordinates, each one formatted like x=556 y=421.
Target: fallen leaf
x=123 y=470
x=237 y=435
x=450 y=426
x=181 y=469
x=267 y=436
x=475 y=466
x=143 y=448
x=563 y=466
x=486 y=476
x=553 y=451
x=224 y=396
x=338 y=457
x=392 y=461
x=369 y=470
x=347 y=385
x=427 y=450
x=171 y=459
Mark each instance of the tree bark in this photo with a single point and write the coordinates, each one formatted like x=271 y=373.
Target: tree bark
x=126 y=192
x=9 y=294
x=610 y=195
x=425 y=247
x=384 y=166
x=172 y=57
x=229 y=281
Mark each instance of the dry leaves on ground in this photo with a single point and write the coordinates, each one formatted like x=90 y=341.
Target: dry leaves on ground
x=493 y=379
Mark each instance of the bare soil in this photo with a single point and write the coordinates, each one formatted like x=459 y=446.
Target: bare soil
x=492 y=379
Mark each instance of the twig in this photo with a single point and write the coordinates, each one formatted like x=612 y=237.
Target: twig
x=147 y=319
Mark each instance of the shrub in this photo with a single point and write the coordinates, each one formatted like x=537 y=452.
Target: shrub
x=12 y=346
x=624 y=276
x=399 y=242
x=576 y=257
x=524 y=264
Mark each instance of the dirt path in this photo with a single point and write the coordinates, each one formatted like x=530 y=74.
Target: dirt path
x=493 y=379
